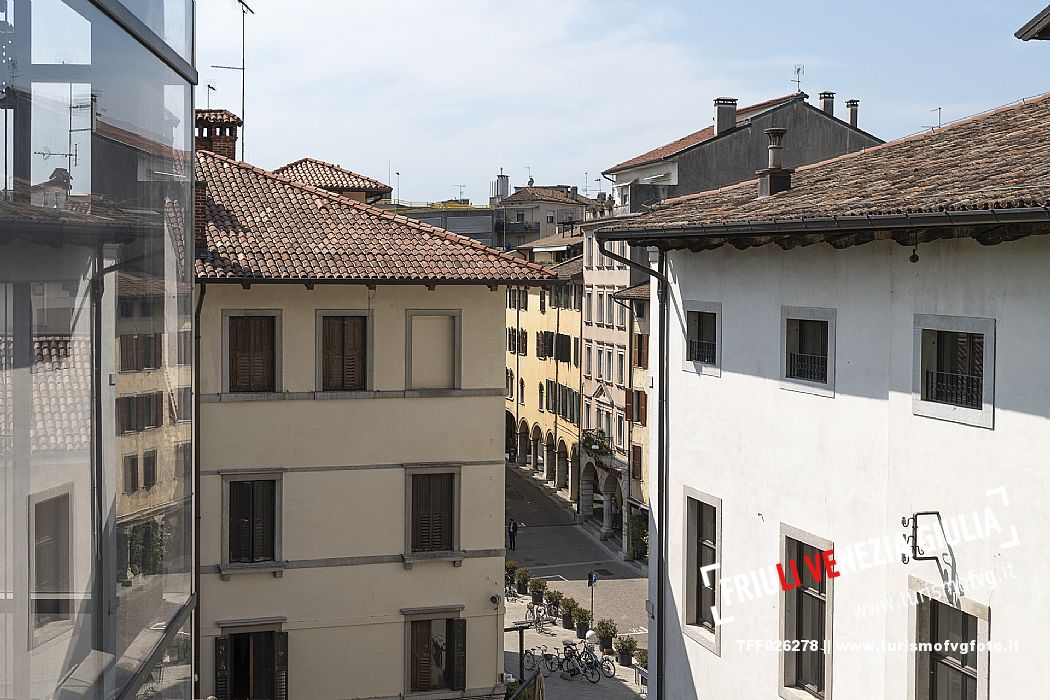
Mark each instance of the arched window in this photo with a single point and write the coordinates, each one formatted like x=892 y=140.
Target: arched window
x=510 y=384
x=521 y=391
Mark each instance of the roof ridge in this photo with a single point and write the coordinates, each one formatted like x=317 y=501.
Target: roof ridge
x=412 y=223
x=927 y=133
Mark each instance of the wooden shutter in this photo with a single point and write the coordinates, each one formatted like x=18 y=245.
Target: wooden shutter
x=643 y=407
x=240 y=523
x=263 y=520
x=222 y=667
x=628 y=405
x=344 y=353
x=280 y=666
x=459 y=653
x=332 y=354
x=421 y=524
x=262 y=353
x=127 y=352
x=441 y=511
x=523 y=343
x=643 y=351
x=420 y=655
x=239 y=340
x=636 y=461
x=539 y=344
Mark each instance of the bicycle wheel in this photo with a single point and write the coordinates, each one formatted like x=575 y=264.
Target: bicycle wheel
x=530 y=615
x=545 y=665
x=552 y=662
x=591 y=673
x=530 y=660
x=608 y=667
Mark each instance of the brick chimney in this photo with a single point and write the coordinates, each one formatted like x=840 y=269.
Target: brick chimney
x=725 y=114
x=217 y=132
x=852 y=107
x=200 y=215
x=827 y=103
x=775 y=178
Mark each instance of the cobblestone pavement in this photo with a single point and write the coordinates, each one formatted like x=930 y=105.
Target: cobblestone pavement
x=560 y=552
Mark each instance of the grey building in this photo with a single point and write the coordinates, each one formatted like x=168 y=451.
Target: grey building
x=1037 y=28
x=734 y=147
x=96 y=350
x=455 y=216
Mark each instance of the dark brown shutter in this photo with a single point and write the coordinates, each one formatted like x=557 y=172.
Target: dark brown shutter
x=280 y=666
x=239 y=353
x=420 y=512
x=263 y=520
x=240 y=524
x=636 y=461
x=643 y=407
x=524 y=342
x=539 y=344
x=628 y=405
x=459 y=654
x=262 y=353
x=354 y=358
x=643 y=351
x=222 y=667
x=158 y=409
x=127 y=352
x=420 y=655
x=332 y=354
x=444 y=505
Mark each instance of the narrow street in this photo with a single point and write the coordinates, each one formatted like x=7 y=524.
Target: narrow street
x=556 y=550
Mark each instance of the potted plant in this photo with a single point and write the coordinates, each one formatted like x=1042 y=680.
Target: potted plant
x=511 y=567
x=536 y=587
x=582 y=618
x=641 y=667
x=606 y=630
x=523 y=575
x=553 y=599
x=567 y=607
x=625 y=647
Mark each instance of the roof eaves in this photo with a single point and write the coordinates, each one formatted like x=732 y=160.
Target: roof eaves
x=1037 y=28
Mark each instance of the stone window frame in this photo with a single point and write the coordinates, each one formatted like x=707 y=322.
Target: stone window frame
x=785 y=691
x=436 y=612
x=980 y=418
x=712 y=641
x=278 y=347
x=703 y=368
x=919 y=632
x=35 y=637
x=457 y=344
x=276 y=567
x=319 y=315
x=808 y=313
x=456 y=555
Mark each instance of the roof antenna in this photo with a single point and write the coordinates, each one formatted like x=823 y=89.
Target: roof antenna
x=939 y=122
x=461 y=187
x=800 y=70
x=245 y=10
x=211 y=89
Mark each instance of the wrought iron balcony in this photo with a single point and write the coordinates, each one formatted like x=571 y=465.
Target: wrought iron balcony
x=956 y=389
x=702 y=351
x=811 y=368
x=597 y=442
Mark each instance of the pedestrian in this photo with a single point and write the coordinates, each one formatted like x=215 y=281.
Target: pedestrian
x=512 y=533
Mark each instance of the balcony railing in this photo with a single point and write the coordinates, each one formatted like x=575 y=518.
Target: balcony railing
x=811 y=368
x=597 y=442
x=702 y=351
x=956 y=389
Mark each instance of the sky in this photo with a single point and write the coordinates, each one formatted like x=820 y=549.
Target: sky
x=448 y=92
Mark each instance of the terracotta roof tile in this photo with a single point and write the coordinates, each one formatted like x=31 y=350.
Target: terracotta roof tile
x=549 y=193
x=638 y=291
x=743 y=115
x=991 y=161
x=264 y=226
x=569 y=269
x=217 y=117
x=555 y=240
x=329 y=176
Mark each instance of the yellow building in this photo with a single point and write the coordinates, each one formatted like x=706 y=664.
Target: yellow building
x=544 y=327
x=352 y=481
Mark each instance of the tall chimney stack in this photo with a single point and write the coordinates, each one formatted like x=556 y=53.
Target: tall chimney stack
x=775 y=178
x=725 y=114
x=827 y=103
x=852 y=107
x=217 y=132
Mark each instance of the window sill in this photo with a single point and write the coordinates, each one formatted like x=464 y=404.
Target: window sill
x=454 y=556
x=272 y=567
x=702 y=368
x=805 y=387
x=977 y=417
x=796 y=693
x=704 y=637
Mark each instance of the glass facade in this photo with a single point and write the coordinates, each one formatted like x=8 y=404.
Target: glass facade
x=96 y=498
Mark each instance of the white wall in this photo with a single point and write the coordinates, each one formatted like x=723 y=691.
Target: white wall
x=847 y=468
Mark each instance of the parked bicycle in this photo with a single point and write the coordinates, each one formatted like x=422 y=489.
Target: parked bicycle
x=575 y=664
x=538 y=615
x=605 y=663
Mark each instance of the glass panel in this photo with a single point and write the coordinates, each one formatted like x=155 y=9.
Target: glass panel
x=171 y=20
x=93 y=206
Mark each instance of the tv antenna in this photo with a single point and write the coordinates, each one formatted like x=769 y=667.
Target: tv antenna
x=210 y=90
x=800 y=70
x=586 y=183
x=939 y=122
x=461 y=188
x=245 y=11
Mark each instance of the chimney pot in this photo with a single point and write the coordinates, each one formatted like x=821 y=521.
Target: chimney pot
x=775 y=178
x=725 y=114
x=827 y=102
x=852 y=107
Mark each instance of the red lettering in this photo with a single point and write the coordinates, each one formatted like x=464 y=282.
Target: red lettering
x=813 y=566
x=783 y=579
x=829 y=564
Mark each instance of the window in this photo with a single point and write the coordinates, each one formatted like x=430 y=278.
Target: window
x=608 y=364
x=185 y=350
x=610 y=311
x=621 y=362
x=510 y=384
x=588 y=306
x=808 y=350
x=601 y=308
x=131 y=473
x=519 y=216
x=954 y=370
x=344 y=353
x=438 y=654
x=433 y=512
x=252 y=358
x=587 y=414
x=958 y=670
x=576 y=352
x=587 y=359
x=183 y=403
x=619 y=430
x=149 y=469
x=953 y=673
x=806 y=620
x=637 y=406
x=252 y=521
x=636 y=461
x=252 y=666
x=703 y=346
x=138 y=413
x=432 y=349
x=563 y=348
x=702 y=338
x=184 y=461
x=521 y=391
x=523 y=342
x=543 y=300
x=601 y=361
x=704 y=554
x=621 y=315
x=550 y=217
x=539 y=402
x=139 y=352
x=523 y=298
x=512 y=340
x=641 y=350
x=50 y=567
x=639 y=310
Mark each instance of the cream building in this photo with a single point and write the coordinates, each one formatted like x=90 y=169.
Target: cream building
x=351 y=527
x=540 y=211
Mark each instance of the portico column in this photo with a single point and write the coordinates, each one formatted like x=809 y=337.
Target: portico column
x=607 y=514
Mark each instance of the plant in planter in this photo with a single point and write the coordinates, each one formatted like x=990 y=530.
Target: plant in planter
x=567 y=607
x=625 y=647
x=536 y=587
x=553 y=599
x=641 y=658
x=523 y=575
x=511 y=567
x=606 y=630
x=582 y=618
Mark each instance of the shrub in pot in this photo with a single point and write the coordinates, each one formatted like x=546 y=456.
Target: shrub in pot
x=567 y=608
x=606 y=630
x=582 y=618
x=553 y=599
x=641 y=657
x=625 y=647
x=536 y=587
x=523 y=575
x=511 y=567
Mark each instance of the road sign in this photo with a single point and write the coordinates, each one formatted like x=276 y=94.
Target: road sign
x=592 y=578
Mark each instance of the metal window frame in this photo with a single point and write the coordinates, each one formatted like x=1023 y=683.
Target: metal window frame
x=698 y=367
x=707 y=638
x=983 y=417
x=786 y=673
x=137 y=29
x=808 y=313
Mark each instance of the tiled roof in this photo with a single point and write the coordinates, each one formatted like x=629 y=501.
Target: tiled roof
x=559 y=194
x=638 y=291
x=555 y=240
x=329 y=176
x=217 y=117
x=743 y=115
x=262 y=226
x=569 y=269
x=995 y=160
